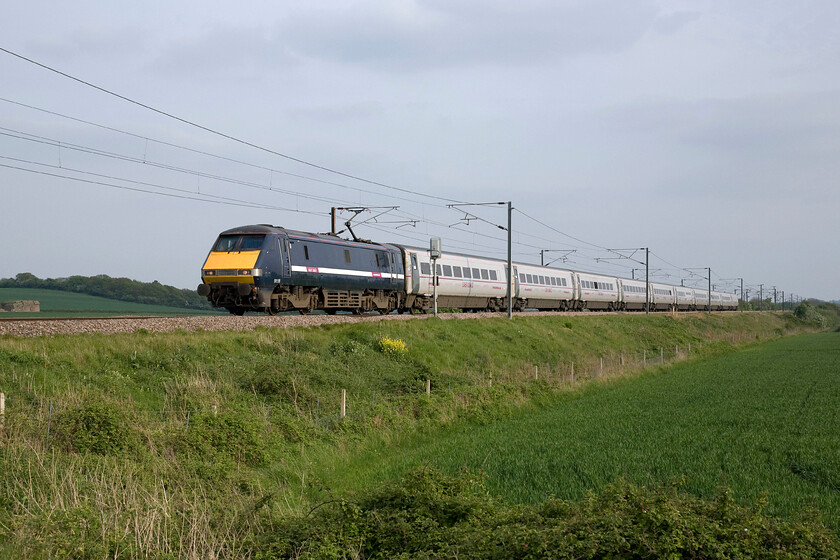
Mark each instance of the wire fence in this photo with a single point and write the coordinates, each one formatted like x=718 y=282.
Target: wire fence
x=343 y=406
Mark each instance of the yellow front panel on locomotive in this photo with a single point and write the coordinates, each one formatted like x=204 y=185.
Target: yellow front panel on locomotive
x=224 y=267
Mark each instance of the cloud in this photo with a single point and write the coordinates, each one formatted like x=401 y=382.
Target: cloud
x=671 y=23
x=423 y=34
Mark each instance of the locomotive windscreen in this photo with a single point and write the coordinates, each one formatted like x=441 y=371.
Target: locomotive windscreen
x=228 y=243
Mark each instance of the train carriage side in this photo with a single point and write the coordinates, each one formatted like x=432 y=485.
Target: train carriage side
x=685 y=298
x=633 y=296
x=597 y=291
x=544 y=288
x=701 y=297
x=663 y=297
x=464 y=281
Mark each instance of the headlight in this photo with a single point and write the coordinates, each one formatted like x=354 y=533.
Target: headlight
x=209 y=272
x=245 y=272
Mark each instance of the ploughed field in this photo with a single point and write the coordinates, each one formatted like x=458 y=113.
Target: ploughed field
x=764 y=422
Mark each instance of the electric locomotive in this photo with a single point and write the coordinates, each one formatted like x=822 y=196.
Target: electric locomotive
x=272 y=269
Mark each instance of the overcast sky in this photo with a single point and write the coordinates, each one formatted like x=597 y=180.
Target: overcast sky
x=708 y=131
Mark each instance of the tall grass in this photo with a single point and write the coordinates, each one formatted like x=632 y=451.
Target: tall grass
x=185 y=445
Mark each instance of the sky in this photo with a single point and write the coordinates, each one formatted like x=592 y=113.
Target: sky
x=707 y=131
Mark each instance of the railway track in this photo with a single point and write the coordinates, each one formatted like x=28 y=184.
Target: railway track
x=46 y=326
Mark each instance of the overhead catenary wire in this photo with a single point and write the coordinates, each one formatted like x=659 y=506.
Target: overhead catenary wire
x=204 y=152
x=185 y=194
x=223 y=134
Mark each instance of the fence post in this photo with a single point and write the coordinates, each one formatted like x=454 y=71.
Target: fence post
x=689 y=348
x=601 y=367
x=573 y=373
x=49 y=422
x=2 y=408
x=661 y=356
x=188 y=419
x=343 y=403
x=644 y=358
x=428 y=387
x=215 y=410
x=536 y=373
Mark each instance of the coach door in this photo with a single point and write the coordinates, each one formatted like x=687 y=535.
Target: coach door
x=415 y=275
x=285 y=268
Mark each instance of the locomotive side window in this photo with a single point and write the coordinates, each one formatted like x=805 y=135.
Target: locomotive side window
x=306 y=252
x=425 y=268
x=377 y=260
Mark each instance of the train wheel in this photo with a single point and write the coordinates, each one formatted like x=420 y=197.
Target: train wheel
x=270 y=310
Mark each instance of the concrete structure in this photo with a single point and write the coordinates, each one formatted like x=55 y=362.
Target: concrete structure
x=20 y=307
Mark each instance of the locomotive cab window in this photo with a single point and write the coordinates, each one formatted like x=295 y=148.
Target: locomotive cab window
x=229 y=243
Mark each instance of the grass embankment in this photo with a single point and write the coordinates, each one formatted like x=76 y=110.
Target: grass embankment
x=198 y=444
x=55 y=303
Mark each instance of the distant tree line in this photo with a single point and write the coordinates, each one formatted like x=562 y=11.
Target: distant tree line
x=122 y=289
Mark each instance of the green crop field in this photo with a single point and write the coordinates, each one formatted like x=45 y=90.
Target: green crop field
x=55 y=303
x=764 y=422
x=229 y=444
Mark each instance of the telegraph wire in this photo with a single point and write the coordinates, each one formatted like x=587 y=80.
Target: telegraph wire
x=222 y=134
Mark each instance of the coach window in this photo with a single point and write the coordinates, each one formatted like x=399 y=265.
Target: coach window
x=439 y=270
x=553 y=281
x=425 y=268
x=522 y=278
x=493 y=275
x=456 y=271
x=347 y=255
x=447 y=270
x=476 y=274
x=484 y=274
x=530 y=279
x=467 y=273
x=306 y=252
